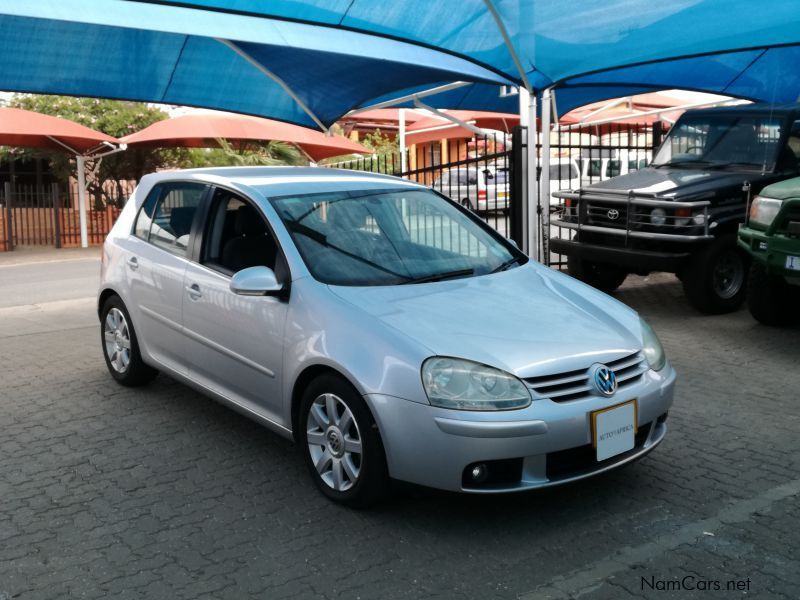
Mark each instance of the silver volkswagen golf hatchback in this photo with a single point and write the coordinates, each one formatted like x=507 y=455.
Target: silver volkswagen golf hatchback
x=388 y=331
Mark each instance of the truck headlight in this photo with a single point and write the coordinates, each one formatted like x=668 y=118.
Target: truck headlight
x=764 y=210
x=658 y=216
x=465 y=385
x=653 y=350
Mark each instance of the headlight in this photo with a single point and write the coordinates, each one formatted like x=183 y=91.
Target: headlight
x=658 y=216
x=653 y=351
x=466 y=385
x=764 y=210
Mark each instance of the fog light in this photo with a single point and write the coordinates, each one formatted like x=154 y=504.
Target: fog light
x=658 y=216
x=479 y=473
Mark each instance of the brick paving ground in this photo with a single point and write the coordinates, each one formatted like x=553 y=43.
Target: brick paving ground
x=158 y=492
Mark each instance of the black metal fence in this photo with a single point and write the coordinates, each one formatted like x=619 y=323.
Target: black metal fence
x=585 y=155
x=484 y=174
x=48 y=215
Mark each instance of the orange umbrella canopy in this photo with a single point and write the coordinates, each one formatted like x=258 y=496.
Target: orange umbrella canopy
x=202 y=130
x=34 y=130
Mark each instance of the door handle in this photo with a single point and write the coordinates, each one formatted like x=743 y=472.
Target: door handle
x=194 y=291
x=133 y=262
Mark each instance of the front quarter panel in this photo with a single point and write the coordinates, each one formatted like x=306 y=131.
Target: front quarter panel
x=324 y=330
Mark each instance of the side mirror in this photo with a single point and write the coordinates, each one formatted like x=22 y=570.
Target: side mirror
x=513 y=243
x=256 y=281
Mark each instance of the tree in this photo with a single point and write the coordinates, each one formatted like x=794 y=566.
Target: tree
x=252 y=154
x=115 y=118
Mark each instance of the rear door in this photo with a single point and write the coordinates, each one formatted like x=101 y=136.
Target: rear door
x=234 y=343
x=157 y=255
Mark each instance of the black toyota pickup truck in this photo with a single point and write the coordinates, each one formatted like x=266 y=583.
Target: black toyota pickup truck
x=681 y=213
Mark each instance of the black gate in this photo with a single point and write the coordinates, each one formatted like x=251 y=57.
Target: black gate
x=487 y=175
x=31 y=216
x=477 y=173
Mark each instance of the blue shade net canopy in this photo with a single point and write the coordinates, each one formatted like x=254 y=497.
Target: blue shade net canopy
x=589 y=49
x=310 y=61
x=290 y=71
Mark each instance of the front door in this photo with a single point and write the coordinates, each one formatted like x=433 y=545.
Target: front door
x=235 y=343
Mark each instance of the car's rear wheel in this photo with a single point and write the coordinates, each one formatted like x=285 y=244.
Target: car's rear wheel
x=120 y=345
x=715 y=281
x=341 y=444
x=770 y=299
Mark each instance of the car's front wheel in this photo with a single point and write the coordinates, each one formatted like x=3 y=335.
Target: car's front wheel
x=770 y=299
x=716 y=280
x=604 y=277
x=120 y=345
x=341 y=444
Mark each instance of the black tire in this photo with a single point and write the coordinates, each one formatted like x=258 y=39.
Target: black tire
x=715 y=282
x=372 y=481
x=135 y=372
x=604 y=277
x=770 y=299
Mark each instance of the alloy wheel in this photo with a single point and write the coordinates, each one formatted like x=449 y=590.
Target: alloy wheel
x=334 y=442
x=728 y=275
x=117 y=337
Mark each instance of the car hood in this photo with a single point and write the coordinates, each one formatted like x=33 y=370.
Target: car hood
x=677 y=182
x=528 y=320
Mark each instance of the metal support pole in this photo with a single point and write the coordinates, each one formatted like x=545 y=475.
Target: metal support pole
x=527 y=114
x=402 y=139
x=56 y=214
x=81 y=164
x=544 y=179
x=9 y=217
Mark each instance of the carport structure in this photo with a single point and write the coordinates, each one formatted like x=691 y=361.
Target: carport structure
x=311 y=61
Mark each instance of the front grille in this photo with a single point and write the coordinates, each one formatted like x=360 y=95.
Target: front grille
x=598 y=214
x=574 y=385
x=573 y=462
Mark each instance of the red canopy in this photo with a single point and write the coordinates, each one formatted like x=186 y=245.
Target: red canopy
x=202 y=130
x=33 y=130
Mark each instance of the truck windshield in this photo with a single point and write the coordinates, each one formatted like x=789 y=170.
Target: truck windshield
x=718 y=140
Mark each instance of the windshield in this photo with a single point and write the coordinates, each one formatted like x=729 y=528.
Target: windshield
x=722 y=140
x=390 y=237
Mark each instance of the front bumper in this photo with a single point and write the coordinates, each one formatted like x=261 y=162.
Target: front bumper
x=770 y=250
x=632 y=258
x=546 y=444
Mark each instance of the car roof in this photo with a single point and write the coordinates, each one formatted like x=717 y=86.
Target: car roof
x=280 y=181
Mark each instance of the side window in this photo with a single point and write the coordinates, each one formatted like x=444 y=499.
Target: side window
x=141 y=228
x=237 y=236
x=173 y=216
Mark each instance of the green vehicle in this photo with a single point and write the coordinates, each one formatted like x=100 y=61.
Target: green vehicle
x=771 y=236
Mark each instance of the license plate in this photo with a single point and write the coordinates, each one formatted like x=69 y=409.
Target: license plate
x=613 y=429
x=501 y=195
x=793 y=263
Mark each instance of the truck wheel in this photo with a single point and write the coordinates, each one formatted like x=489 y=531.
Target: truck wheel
x=715 y=280
x=769 y=297
x=604 y=277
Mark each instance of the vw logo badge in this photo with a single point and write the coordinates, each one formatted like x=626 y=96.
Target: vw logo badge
x=613 y=214
x=604 y=380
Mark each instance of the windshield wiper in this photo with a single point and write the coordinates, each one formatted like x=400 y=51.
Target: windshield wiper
x=681 y=163
x=723 y=165
x=441 y=276
x=322 y=239
x=507 y=265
